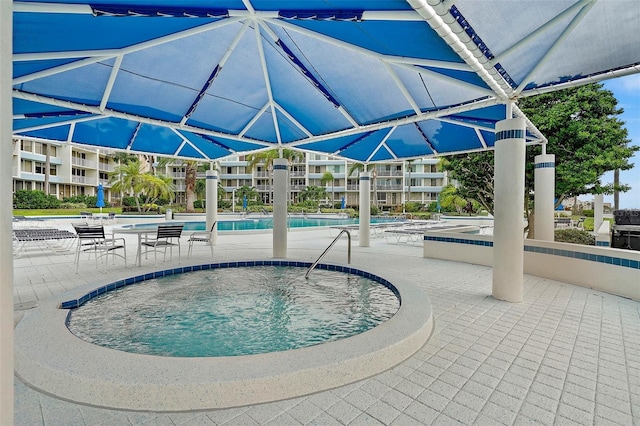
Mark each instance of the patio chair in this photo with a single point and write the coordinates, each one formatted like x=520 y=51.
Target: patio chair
x=167 y=237
x=92 y=240
x=201 y=237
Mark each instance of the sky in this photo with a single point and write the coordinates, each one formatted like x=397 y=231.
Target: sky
x=627 y=92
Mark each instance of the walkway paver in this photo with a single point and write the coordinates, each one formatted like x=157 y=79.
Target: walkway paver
x=566 y=355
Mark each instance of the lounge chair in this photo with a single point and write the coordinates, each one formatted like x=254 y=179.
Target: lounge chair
x=56 y=240
x=92 y=240
x=201 y=237
x=167 y=237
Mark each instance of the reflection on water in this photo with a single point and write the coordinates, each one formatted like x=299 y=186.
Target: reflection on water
x=234 y=311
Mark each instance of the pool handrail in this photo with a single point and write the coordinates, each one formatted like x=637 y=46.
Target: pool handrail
x=313 y=265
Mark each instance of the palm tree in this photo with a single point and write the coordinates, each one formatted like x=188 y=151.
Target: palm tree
x=328 y=177
x=409 y=166
x=121 y=158
x=191 y=170
x=313 y=193
x=450 y=197
x=359 y=167
x=129 y=178
x=157 y=187
x=47 y=167
x=267 y=158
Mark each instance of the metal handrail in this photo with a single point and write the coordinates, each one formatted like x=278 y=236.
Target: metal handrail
x=344 y=231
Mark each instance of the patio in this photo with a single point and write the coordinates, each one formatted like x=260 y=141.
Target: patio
x=566 y=355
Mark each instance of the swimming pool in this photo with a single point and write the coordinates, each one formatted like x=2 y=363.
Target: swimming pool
x=250 y=224
x=234 y=311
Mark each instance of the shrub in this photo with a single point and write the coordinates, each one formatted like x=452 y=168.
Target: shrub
x=72 y=206
x=574 y=236
x=413 y=207
x=587 y=213
x=23 y=199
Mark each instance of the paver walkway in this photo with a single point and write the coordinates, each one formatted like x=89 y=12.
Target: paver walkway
x=566 y=355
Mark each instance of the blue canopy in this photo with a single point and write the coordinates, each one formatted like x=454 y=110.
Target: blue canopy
x=369 y=81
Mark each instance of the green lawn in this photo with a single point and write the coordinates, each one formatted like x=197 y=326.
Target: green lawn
x=63 y=212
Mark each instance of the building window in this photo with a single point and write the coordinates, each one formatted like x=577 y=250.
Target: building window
x=26 y=146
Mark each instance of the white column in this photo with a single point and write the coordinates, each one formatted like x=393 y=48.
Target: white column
x=508 y=232
x=544 y=184
x=6 y=214
x=365 y=209
x=212 y=202
x=598 y=213
x=280 y=180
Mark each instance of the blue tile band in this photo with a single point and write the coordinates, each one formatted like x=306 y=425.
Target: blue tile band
x=510 y=134
x=365 y=177
x=280 y=167
x=76 y=303
x=609 y=260
x=458 y=241
x=212 y=177
x=545 y=165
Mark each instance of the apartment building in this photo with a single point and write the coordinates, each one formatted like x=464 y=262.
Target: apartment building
x=77 y=170
x=73 y=170
x=395 y=183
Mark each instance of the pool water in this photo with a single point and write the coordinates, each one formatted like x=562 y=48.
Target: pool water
x=262 y=223
x=234 y=311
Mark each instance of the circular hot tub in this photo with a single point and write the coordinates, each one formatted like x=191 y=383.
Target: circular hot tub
x=51 y=358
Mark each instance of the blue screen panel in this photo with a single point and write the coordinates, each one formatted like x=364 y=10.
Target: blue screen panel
x=59 y=133
x=156 y=139
x=108 y=132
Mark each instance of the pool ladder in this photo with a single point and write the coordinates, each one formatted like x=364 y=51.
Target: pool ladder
x=344 y=231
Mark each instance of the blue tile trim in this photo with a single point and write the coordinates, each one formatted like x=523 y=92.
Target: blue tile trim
x=211 y=177
x=280 y=167
x=550 y=164
x=510 y=134
x=365 y=177
x=610 y=260
x=76 y=303
x=602 y=243
x=458 y=241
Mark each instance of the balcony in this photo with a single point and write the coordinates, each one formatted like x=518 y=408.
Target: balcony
x=83 y=162
x=83 y=180
x=389 y=187
x=387 y=173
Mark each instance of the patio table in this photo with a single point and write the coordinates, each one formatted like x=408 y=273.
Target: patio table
x=139 y=231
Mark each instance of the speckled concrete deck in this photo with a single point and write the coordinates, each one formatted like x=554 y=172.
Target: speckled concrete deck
x=566 y=355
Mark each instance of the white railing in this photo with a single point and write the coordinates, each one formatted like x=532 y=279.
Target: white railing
x=83 y=162
x=80 y=179
x=384 y=173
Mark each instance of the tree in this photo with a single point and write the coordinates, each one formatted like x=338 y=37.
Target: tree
x=313 y=193
x=47 y=168
x=130 y=179
x=585 y=134
x=191 y=170
x=267 y=158
x=359 y=167
x=121 y=158
x=328 y=177
x=452 y=200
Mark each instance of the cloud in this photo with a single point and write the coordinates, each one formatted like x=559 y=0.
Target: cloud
x=629 y=83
